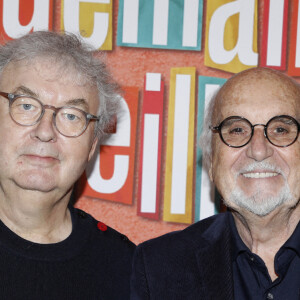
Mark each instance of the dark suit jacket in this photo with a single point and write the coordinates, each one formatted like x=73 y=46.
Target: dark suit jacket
x=191 y=264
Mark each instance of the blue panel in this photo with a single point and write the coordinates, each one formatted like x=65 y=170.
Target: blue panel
x=120 y=22
x=145 y=25
x=202 y=82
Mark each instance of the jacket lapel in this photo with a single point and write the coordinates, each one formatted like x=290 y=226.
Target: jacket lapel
x=215 y=263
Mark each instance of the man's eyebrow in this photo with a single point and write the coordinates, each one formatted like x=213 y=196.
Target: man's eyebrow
x=23 y=90
x=78 y=102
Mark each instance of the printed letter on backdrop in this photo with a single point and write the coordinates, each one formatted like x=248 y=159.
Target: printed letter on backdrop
x=110 y=175
x=294 y=47
x=151 y=143
x=21 y=17
x=274 y=37
x=91 y=18
x=166 y=24
x=205 y=205
x=178 y=189
x=231 y=35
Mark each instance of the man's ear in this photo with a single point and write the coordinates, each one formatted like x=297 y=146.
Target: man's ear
x=93 y=147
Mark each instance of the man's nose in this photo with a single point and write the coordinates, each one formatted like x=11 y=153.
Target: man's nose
x=45 y=130
x=259 y=147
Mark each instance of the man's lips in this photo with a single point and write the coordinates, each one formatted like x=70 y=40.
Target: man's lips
x=264 y=174
x=41 y=158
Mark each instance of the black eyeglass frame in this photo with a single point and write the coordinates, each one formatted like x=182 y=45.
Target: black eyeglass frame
x=219 y=128
x=12 y=97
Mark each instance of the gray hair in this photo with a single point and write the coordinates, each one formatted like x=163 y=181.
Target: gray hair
x=70 y=52
x=205 y=141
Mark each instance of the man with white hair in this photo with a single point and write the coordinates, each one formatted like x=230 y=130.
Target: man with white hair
x=251 y=145
x=56 y=101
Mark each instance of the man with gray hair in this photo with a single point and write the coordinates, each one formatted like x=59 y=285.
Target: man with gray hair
x=56 y=101
x=251 y=145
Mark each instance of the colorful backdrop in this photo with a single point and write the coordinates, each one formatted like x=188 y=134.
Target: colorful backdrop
x=169 y=56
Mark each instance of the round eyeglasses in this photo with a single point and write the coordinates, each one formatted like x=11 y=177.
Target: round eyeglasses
x=28 y=111
x=236 y=132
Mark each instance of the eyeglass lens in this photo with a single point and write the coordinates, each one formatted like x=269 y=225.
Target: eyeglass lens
x=281 y=131
x=27 y=111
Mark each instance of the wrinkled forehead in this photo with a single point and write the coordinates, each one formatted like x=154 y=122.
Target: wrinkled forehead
x=257 y=88
x=47 y=79
x=50 y=69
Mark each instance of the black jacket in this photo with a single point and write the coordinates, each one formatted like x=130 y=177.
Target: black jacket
x=191 y=264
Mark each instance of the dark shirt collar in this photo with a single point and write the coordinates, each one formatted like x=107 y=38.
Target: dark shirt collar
x=294 y=241
x=239 y=246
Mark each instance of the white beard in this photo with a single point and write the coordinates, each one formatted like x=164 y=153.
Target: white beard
x=261 y=203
